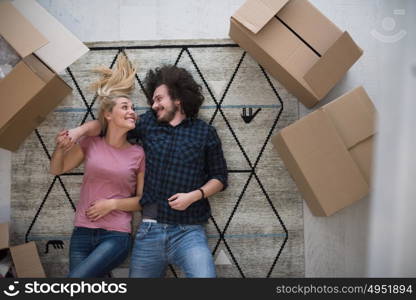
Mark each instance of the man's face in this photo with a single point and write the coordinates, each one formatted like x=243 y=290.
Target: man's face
x=163 y=105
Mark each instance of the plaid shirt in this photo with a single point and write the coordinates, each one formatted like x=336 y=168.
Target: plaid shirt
x=179 y=159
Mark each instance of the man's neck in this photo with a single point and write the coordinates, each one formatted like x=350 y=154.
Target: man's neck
x=177 y=119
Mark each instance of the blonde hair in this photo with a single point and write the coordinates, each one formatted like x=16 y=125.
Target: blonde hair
x=113 y=84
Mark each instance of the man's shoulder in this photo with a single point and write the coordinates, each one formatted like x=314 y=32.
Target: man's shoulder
x=202 y=124
x=146 y=116
x=145 y=119
x=204 y=129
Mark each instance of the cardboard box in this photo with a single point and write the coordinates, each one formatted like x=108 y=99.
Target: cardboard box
x=25 y=257
x=328 y=153
x=296 y=44
x=33 y=88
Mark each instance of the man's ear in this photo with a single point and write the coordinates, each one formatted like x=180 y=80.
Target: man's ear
x=177 y=103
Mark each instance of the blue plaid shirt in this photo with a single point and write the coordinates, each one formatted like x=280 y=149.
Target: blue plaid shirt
x=179 y=159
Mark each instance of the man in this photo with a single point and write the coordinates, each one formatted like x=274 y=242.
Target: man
x=184 y=165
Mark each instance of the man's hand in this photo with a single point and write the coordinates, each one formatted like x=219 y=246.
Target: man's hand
x=72 y=136
x=100 y=209
x=67 y=138
x=63 y=142
x=181 y=201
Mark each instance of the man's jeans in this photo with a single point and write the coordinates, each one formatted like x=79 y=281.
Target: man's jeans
x=95 y=252
x=158 y=245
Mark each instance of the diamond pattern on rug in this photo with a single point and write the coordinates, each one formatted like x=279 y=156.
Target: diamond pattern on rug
x=256 y=224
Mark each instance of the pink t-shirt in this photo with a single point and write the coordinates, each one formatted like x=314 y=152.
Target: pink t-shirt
x=109 y=173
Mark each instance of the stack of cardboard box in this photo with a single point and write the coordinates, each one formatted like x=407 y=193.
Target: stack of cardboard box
x=29 y=91
x=33 y=88
x=329 y=152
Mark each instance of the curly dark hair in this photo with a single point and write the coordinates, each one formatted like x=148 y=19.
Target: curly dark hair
x=181 y=86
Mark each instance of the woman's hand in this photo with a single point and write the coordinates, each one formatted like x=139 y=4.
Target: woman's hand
x=71 y=137
x=99 y=209
x=63 y=142
x=75 y=133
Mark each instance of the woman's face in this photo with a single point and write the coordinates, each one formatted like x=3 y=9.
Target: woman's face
x=122 y=115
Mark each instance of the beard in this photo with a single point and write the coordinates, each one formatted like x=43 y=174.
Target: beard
x=169 y=114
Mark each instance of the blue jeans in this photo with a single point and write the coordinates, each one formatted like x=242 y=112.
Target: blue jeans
x=95 y=252
x=158 y=245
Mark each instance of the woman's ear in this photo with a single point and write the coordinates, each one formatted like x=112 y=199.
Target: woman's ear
x=107 y=115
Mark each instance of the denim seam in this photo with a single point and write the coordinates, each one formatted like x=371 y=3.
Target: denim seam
x=107 y=263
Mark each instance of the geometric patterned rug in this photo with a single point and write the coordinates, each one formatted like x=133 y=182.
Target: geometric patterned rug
x=256 y=228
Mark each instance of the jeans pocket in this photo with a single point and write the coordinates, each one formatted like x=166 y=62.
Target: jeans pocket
x=194 y=227
x=76 y=229
x=143 y=230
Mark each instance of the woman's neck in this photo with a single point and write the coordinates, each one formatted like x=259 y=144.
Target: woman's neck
x=116 y=137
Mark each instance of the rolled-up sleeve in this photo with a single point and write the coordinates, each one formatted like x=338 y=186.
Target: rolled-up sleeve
x=215 y=164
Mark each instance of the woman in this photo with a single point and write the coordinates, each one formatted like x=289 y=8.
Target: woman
x=113 y=178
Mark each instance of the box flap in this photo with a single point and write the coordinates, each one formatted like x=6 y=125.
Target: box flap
x=13 y=96
x=353 y=115
x=363 y=154
x=325 y=162
x=310 y=25
x=4 y=236
x=63 y=47
x=273 y=62
x=27 y=262
x=333 y=65
x=296 y=173
x=281 y=53
x=18 y=31
x=254 y=14
x=39 y=68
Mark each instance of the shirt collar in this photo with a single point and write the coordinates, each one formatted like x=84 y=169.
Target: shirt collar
x=188 y=121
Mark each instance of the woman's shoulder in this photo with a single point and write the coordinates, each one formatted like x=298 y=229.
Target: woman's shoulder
x=137 y=149
x=91 y=138
x=87 y=141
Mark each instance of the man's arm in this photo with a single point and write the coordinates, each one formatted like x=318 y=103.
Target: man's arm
x=63 y=161
x=91 y=128
x=215 y=164
x=216 y=169
x=181 y=201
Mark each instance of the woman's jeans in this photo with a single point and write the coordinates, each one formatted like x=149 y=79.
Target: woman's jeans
x=158 y=245
x=95 y=252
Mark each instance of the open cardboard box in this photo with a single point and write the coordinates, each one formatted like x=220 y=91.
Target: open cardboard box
x=329 y=152
x=33 y=88
x=25 y=257
x=295 y=43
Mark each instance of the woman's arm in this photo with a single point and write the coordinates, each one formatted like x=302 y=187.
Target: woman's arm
x=128 y=204
x=63 y=161
x=103 y=207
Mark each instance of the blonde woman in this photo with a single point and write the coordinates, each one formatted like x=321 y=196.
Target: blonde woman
x=113 y=178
